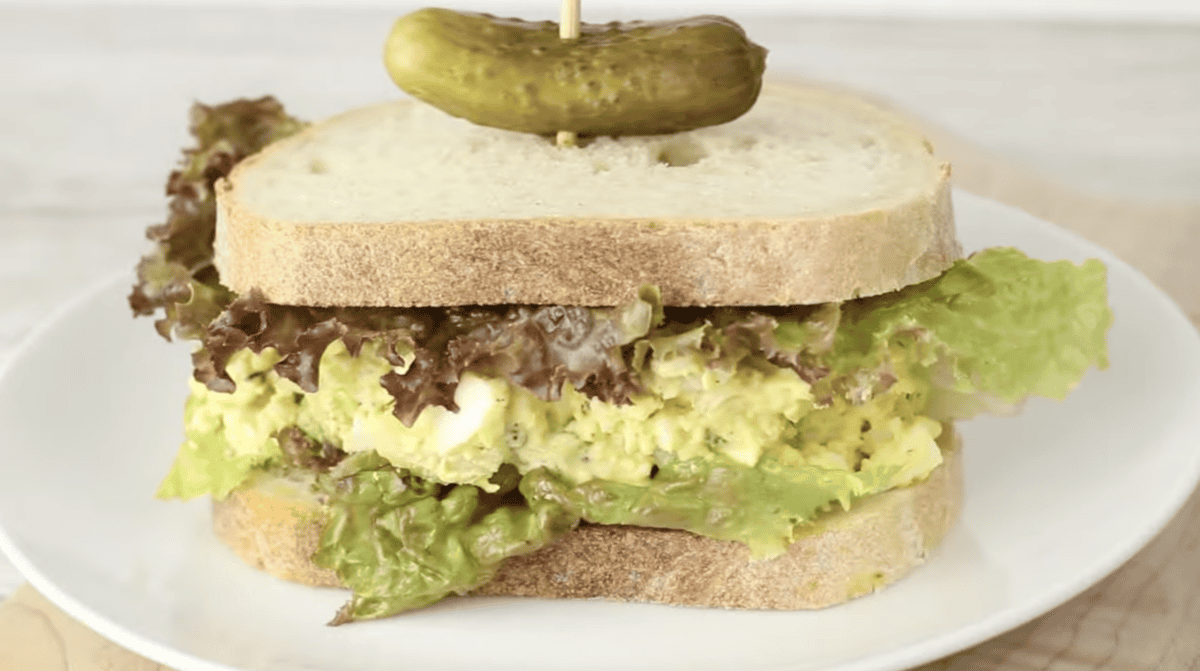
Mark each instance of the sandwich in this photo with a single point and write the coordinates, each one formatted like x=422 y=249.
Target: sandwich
x=717 y=367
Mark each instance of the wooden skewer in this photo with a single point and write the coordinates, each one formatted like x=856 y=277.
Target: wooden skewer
x=568 y=29
x=568 y=25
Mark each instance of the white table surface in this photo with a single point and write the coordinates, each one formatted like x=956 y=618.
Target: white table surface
x=93 y=104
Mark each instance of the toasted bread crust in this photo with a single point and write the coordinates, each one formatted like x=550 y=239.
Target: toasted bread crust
x=846 y=555
x=852 y=554
x=276 y=529
x=581 y=260
x=589 y=262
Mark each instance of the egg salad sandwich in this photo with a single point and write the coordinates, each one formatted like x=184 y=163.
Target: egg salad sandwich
x=713 y=367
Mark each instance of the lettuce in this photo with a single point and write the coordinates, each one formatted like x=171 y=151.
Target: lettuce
x=401 y=542
x=993 y=329
x=759 y=507
x=538 y=348
x=178 y=276
x=207 y=465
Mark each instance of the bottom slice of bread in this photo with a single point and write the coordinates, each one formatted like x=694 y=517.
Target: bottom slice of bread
x=275 y=525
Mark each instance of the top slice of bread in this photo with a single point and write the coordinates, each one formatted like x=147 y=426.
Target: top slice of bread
x=812 y=196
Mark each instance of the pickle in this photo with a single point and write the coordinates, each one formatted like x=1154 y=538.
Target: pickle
x=637 y=78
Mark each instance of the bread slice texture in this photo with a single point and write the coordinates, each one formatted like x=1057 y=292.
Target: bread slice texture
x=812 y=196
x=275 y=525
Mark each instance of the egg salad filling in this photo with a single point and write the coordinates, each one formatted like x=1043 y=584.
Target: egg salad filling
x=737 y=424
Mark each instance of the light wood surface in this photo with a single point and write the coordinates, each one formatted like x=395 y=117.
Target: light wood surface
x=1096 y=128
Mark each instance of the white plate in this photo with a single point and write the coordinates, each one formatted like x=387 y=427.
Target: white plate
x=1057 y=498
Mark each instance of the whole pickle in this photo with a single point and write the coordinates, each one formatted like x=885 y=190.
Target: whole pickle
x=638 y=78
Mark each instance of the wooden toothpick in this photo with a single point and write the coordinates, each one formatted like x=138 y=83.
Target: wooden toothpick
x=568 y=25
x=568 y=29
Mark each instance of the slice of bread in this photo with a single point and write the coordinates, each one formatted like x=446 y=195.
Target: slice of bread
x=812 y=196
x=275 y=525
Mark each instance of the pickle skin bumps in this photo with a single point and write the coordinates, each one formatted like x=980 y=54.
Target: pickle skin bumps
x=636 y=78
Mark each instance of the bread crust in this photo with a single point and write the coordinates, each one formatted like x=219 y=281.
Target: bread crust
x=846 y=555
x=585 y=261
x=276 y=529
